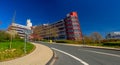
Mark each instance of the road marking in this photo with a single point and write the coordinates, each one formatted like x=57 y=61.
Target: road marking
x=101 y=53
x=83 y=62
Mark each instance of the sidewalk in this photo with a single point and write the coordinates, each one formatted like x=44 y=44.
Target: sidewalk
x=40 y=56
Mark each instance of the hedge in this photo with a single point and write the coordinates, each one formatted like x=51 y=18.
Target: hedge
x=111 y=44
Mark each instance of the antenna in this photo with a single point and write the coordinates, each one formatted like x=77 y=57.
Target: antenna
x=13 y=19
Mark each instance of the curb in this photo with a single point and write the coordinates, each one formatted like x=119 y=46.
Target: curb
x=49 y=62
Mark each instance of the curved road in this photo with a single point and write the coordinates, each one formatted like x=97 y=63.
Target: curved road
x=76 y=55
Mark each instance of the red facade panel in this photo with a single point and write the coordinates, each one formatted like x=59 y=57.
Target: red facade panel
x=73 y=22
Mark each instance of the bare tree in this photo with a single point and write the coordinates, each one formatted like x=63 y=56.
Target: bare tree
x=87 y=39
x=96 y=37
x=12 y=33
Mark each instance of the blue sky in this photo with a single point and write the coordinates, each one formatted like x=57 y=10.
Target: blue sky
x=101 y=16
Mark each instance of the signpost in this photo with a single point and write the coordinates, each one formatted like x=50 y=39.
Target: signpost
x=27 y=32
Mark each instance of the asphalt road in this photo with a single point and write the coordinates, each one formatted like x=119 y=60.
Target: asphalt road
x=74 y=55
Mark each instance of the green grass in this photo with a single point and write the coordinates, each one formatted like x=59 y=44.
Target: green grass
x=16 y=50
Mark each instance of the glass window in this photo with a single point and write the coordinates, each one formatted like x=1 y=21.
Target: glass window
x=76 y=30
x=70 y=30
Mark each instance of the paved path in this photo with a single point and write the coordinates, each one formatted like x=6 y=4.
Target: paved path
x=40 y=56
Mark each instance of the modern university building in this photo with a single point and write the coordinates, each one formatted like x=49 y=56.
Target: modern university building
x=65 y=29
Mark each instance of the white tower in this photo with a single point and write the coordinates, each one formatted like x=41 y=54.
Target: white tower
x=29 y=24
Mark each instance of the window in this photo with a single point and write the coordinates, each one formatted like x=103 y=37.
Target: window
x=69 y=26
x=76 y=30
x=69 y=22
x=70 y=30
x=77 y=35
x=71 y=35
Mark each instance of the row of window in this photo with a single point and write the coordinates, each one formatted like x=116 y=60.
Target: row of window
x=74 y=35
x=75 y=30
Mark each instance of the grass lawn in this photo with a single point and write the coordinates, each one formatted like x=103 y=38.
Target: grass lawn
x=17 y=50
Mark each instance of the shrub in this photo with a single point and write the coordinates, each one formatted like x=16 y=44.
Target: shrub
x=4 y=36
x=110 y=40
x=111 y=44
x=44 y=40
x=69 y=41
x=61 y=41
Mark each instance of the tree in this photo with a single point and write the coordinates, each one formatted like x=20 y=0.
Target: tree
x=35 y=37
x=4 y=36
x=13 y=34
x=87 y=39
x=96 y=37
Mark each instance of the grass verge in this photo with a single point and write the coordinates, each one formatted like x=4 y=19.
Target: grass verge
x=106 y=44
x=16 y=50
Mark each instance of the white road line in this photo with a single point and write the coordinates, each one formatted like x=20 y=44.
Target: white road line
x=101 y=53
x=83 y=62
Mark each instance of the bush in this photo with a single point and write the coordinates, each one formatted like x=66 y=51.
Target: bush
x=44 y=40
x=110 y=40
x=111 y=44
x=61 y=41
x=5 y=37
x=69 y=41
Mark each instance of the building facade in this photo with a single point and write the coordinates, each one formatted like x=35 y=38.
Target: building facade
x=20 y=29
x=67 y=28
x=73 y=30
x=113 y=35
